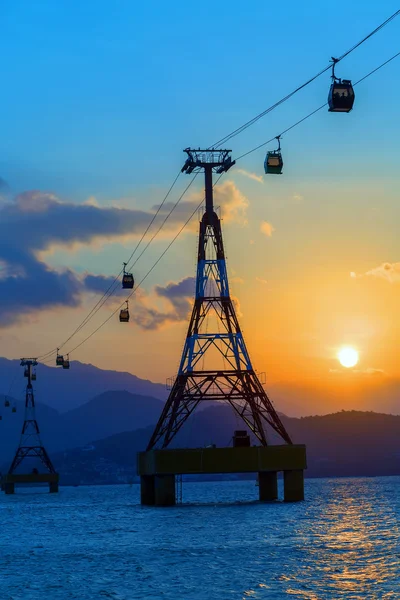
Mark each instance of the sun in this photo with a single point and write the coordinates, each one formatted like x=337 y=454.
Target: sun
x=348 y=357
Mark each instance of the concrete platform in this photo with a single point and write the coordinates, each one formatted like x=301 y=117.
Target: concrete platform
x=157 y=469
x=8 y=481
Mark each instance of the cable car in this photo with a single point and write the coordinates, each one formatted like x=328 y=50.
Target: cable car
x=65 y=364
x=127 y=279
x=14 y=409
x=1 y=417
x=341 y=94
x=33 y=376
x=6 y=403
x=273 y=163
x=59 y=360
x=124 y=314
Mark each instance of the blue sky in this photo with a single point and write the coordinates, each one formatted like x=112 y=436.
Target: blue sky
x=100 y=98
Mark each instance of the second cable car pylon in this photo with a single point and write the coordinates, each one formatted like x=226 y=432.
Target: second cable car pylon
x=236 y=383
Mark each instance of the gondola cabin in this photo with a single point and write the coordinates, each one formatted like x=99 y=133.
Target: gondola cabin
x=127 y=280
x=341 y=96
x=124 y=315
x=59 y=360
x=33 y=376
x=65 y=364
x=6 y=403
x=14 y=410
x=273 y=163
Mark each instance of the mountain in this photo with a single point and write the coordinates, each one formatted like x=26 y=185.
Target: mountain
x=104 y=415
x=110 y=413
x=65 y=390
x=348 y=443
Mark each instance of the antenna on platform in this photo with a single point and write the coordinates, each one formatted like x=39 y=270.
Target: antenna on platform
x=235 y=381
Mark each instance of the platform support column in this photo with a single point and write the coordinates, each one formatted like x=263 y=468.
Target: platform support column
x=268 y=485
x=147 y=490
x=53 y=487
x=164 y=487
x=9 y=488
x=293 y=483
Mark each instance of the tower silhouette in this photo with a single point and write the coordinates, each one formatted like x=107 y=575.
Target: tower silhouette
x=30 y=444
x=214 y=333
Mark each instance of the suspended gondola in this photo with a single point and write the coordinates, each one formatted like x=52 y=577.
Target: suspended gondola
x=127 y=279
x=6 y=402
x=124 y=314
x=14 y=409
x=273 y=163
x=341 y=93
x=33 y=376
x=59 y=360
x=65 y=364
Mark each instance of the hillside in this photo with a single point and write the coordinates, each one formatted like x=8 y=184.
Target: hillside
x=349 y=443
x=65 y=390
x=104 y=415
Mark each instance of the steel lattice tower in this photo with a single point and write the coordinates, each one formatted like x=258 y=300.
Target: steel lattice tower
x=30 y=445
x=236 y=382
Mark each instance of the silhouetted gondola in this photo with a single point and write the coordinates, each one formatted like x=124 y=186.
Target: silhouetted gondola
x=127 y=279
x=273 y=163
x=341 y=93
x=124 y=314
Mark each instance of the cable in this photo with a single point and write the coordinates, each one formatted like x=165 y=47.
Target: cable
x=113 y=285
x=104 y=298
x=314 y=111
x=147 y=274
x=273 y=106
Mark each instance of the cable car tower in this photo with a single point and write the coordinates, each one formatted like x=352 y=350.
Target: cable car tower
x=235 y=381
x=30 y=445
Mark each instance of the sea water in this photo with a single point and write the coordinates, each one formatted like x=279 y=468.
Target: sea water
x=98 y=542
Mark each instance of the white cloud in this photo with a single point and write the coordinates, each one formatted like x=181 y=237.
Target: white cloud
x=261 y=280
x=390 y=272
x=250 y=175
x=298 y=197
x=267 y=228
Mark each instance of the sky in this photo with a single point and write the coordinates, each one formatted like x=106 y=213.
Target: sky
x=98 y=102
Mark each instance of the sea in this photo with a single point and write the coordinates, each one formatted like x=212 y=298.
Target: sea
x=97 y=542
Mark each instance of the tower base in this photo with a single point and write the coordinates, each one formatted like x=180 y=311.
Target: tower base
x=157 y=469
x=10 y=480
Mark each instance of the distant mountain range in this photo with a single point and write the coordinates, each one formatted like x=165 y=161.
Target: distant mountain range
x=65 y=390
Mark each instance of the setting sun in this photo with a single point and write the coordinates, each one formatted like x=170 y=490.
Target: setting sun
x=348 y=357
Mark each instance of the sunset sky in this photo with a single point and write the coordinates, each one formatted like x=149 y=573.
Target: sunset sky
x=98 y=101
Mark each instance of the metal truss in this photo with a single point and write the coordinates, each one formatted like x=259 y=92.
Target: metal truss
x=30 y=445
x=236 y=383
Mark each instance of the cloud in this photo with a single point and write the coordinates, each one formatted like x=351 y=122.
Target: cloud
x=236 y=279
x=267 y=228
x=179 y=298
x=298 y=197
x=390 y=272
x=253 y=176
x=260 y=280
x=34 y=222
